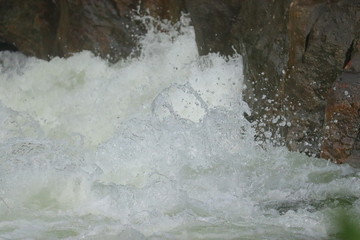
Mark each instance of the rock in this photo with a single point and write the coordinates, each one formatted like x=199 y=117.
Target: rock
x=341 y=142
x=293 y=51
x=321 y=34
x=260 y=35
x=98 y=26
x=32 y=31
x=342 y=120
x=163 y=9
x=59 y=28
x=353 y=159
x=258 y=31
x=7 y=47
x=212 y=21
x=352 y=63
x=46 y=29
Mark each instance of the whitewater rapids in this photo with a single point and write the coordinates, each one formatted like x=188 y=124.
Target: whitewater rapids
x=152 y=147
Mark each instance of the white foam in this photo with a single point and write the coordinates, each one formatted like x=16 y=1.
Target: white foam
x=154 y=147
x=85 y=97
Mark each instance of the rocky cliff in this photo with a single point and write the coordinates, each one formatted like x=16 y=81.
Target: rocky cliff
x=301 y=56
x=302 y=68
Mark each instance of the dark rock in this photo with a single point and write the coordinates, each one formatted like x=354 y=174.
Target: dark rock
x=32 y=31
x=59 y=28
x=7 y=47
x=212 y=21
x=320 y=33
x=352 y=62
x=46 y=28
x=353 y=159
x=342 y=120
x=341 y=142
x=163 y=9
x=257 y=30
x=260 y=35
x=98 y=26
x=293 y=51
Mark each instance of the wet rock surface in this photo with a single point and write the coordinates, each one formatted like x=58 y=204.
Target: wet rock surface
x=258 y=31
x=82 y=25
x=32 y=31
x=213 y=21
x=342 y=119
x=341 y=142
x=293 y=52
x=260 y=35
x=61 y=27
x=321 y=34
x=163 y=9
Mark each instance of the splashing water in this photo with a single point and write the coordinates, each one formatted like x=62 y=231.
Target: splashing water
x=153 y=147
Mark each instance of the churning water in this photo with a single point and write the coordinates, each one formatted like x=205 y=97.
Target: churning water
x=153 y=147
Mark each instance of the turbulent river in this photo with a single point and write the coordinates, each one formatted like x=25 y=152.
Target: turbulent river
x=152 y=147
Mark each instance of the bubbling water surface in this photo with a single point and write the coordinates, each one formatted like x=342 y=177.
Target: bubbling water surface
x=153 y=147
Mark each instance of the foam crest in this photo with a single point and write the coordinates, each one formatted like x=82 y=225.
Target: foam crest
x=83 y=98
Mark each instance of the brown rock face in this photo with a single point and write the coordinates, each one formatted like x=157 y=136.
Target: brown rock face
x=321 y=34
x=212 y=21
x=46 y=28
x=341 y=142
x=257 y=30
x=260 y=35
x=163 y=9
x=342 y=119
x=82 y=26
x=293 y=50
x=32 y=31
